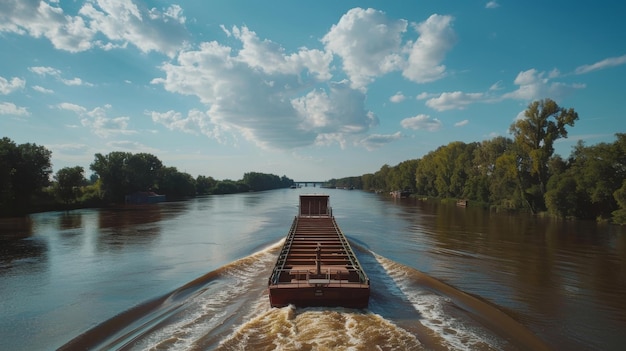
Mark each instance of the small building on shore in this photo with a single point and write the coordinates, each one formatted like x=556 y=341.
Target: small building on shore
x=143 y=197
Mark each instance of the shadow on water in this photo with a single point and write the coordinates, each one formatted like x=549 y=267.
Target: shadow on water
x=17 y=246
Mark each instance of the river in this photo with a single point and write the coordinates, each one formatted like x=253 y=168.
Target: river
x=192 y=275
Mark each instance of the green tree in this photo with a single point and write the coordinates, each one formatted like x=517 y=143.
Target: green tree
x=425 y=175
x=204 y=185
x=564 y=197
x=600 y=170
x=368 y=181
x=543 y=123
x=228 y=186
x=447 y=168
x=111 y=169
x=26 y=170
x=123 y=173
x=402 y=176
x=68 y=183
x=8 y=155
x=482 y=172
x=261 y=181
x=142 y=170
x=175 y=184
x=506 y=185
x=619 y=215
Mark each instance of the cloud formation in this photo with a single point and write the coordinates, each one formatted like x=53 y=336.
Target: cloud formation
x=264 y=94
x=533 y=85
x=9 y=86
x=606 y=63
x=375 y=141
x=398 y=97
x=368 y=44
x=436 y=38
x=9 y=108
x=455 y=100
x=99 y=23
x=97 y=120
x=421 y=122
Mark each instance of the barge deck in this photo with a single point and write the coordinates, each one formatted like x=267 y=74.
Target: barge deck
x=316 y=265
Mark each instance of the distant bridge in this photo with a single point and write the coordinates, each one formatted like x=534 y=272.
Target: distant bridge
x=313 y=183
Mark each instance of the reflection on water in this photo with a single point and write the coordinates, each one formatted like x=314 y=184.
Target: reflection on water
x=16 y=246
x=563 y=280
x=128 y=226
x=566 y=279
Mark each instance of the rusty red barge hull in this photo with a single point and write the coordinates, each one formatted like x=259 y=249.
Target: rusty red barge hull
x=316 y=265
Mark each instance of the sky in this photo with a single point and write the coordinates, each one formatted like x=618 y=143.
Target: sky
x=312 y=90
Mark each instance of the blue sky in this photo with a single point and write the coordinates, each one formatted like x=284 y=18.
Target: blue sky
x=311 y=90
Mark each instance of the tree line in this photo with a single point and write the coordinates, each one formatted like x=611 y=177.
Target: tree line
x=26 y=184
x=518 y=173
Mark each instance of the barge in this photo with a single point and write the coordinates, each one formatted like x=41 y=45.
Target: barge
x=316 y=265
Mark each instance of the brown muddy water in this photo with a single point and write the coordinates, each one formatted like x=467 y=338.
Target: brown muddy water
x=193 y=275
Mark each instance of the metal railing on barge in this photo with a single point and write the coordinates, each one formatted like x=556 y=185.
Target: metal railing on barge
x=279 y=267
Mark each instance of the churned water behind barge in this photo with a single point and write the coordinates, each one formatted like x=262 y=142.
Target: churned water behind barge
x=316 y=265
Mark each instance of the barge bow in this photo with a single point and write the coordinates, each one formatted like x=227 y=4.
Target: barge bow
x=316 y=265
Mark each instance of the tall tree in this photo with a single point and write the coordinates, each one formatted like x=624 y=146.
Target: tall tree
x=8 y=154
x=543 y=123
x=599 y=170
x=111 y=169
x=204 y=184
x=619 y=215
x=175 y=184
x=69 y=180
x=482 y=172
x=25 y=170
x=122 y=173
x=142 y=170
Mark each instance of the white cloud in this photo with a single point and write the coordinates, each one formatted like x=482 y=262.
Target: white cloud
x=606 y=63
x=42 y=89
x=375 y=141
x=424 y=96
x=70 y=148
x=75 y=82
x=368 y=43
x=340 y=110
x=130 y=146
x=532 y=85
x=271 y=59
x=40 y=18
x=7 y=87
x=148 y=29
x=71 y=107
x=9 y=108
x=454 y=101
x=492 y=5
x=49 y=71
x=45 y=71
x=97 y=120
x=428 y=51
x=421 y=122
x=535 y=85
x=118 y=21
x=260 y=92
x=398 y=97
x=496 y=86
x=195 y=122
x=461 y=123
